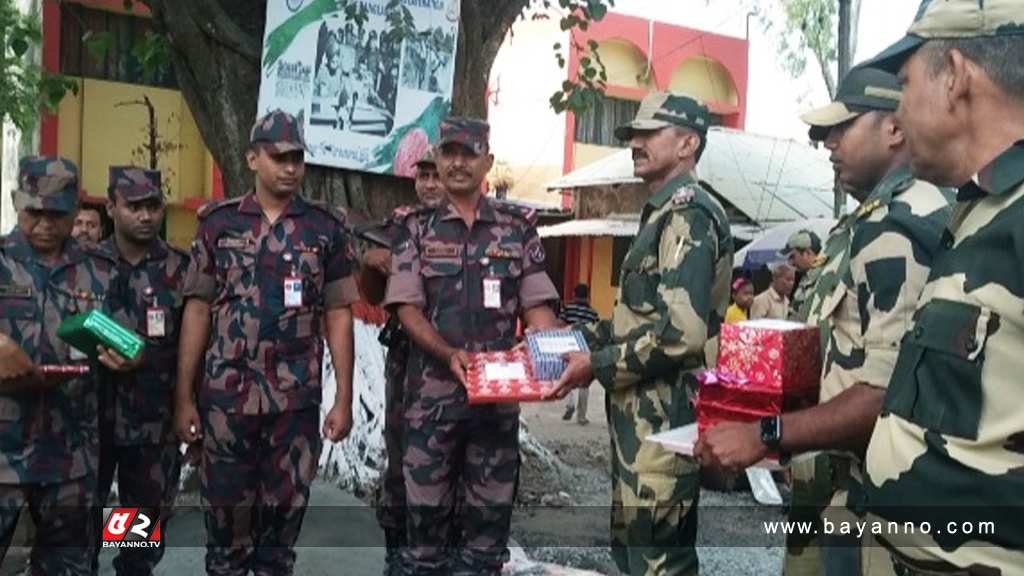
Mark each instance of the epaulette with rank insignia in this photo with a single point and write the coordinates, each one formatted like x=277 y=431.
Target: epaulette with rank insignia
x=336 y=212
x=212 y=206
x=398 y=215
x=868 y=207
x=525 y=212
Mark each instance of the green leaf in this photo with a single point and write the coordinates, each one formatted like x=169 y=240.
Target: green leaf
x=19 y=46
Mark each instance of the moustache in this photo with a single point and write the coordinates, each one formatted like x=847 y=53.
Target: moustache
x=639 y=154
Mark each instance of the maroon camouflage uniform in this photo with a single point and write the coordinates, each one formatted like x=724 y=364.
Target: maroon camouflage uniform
x=454 y=451
x=260 y=395
x=49 y=439
x=136 y=433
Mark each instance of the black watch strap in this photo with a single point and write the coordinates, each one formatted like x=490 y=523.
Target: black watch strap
x=771 y=431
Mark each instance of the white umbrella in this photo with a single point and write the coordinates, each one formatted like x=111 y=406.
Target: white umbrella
x=765 y=248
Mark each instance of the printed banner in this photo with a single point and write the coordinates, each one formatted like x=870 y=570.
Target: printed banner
x=369 y=98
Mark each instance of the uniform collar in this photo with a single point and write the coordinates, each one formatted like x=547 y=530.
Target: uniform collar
x=249 y=205
x=1007 y=175
x=157 y=250
x=665 y=193
x=18 y=247
x=484 y=211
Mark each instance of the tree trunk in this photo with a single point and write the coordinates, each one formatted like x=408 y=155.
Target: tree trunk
x=216 y=47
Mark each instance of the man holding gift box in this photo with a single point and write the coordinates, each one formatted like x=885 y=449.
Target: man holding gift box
x=49 y=440
x=460 y=278
x=269 y=272
x=672 y=297
x=137 y=437
x=390 y=500
x=948 y=448
x=876 y=263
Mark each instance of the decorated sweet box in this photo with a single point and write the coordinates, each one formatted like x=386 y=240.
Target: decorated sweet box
x=547 y=347
x=765 y=367
x=503 y=377
x=525 y=374
x=773 y=354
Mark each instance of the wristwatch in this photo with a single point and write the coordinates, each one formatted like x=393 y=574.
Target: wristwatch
x=771 y=431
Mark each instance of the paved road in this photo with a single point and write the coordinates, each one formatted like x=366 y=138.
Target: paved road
x=339 y=536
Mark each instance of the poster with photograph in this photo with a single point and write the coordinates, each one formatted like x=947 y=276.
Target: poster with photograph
x=369 y=98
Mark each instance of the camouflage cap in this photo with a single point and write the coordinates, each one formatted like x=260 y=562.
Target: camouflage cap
x=279 y=130
x=427 y=159
x=46 y=183
x=952 y=19
x=134 y=183
x=862 y=90
x=470 y=132
x=802 y=240
x=663 y=109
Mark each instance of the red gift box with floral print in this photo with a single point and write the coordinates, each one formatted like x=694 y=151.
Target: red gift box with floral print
x=765 y=367
x=498 y=377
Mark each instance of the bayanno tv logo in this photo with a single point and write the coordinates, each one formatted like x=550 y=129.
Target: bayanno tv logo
x=130 y=528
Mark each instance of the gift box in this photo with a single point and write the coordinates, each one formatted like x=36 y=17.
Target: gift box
x=86 y=331
x=495 y=377
x=771 y=354
x=547 y=347
x=725 y=399
x=765 y=368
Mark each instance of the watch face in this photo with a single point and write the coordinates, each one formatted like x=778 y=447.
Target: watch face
x=770 y=433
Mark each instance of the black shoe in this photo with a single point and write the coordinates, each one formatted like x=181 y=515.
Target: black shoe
x=568 y=413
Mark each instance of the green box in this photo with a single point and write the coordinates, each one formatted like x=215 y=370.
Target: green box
x=90 y=329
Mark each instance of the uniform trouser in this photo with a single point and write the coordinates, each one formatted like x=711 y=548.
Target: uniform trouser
x=476 y=461
x=391 y=503
x=61 y=513
x=147 y=477
x=818 y=497
x=579 y=399
x=654 y=504
x=255 y=475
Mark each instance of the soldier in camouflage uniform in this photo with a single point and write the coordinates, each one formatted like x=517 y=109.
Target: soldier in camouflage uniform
x=672 y=298
x=373 y=277
x=801 y=251
x=459 y=280
x=136 y=434
x=948 y=446
x=876 y=262
x=269 y=271
x=49 y=440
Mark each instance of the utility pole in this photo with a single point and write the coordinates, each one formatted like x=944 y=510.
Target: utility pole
x=844 y=58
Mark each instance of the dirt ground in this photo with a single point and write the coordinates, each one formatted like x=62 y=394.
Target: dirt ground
x=562 y=516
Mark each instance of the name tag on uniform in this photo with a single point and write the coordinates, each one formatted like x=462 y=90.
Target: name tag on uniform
x=492 y=293
x=156 y=322
x=293 y=292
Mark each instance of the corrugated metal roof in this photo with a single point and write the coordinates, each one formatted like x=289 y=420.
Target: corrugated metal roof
x=604 y=227
x=769 y=179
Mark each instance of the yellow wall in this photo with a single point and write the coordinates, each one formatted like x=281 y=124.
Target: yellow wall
x=602 y=293
x=181 y=226
x=584 y=154
x=706 y=79
x=96 y=132
x=625 y=65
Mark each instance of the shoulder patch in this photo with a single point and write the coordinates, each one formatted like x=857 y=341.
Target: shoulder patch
x=212 y=206
x=175 y=250
x=398 y=215
x=523 y=212
x=683 y=195
x=336 y=212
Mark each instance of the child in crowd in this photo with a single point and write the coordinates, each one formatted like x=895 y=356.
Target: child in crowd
x=742 y=298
